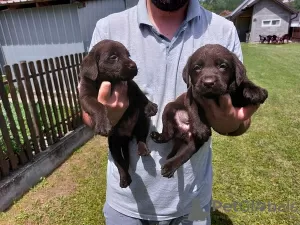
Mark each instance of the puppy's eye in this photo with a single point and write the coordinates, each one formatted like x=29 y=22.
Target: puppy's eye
x=197 y=68
x=223 y=66
x=113 y=57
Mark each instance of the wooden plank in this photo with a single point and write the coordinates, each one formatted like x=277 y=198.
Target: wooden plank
x=12 y=123
x=71 y=79
x=54 y=105
x=7 y=141
x=77 y=62
x=66 y=78
x=38 y=93
x=80 y=59
x=62 y=88
x=4 y=165
x=26 y=107
x=36 y=117
x=77 y=66
x=75 y=73
x=58 y=95
x=15 y=100
x=75 y=84
x=46 y=100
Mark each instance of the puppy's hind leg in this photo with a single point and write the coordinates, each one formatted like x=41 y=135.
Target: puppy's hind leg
x=183 y=153
x=117 y=146
x=141 y=131
x=176 y=146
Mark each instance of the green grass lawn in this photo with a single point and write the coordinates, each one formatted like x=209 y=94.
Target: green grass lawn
x=263 y=165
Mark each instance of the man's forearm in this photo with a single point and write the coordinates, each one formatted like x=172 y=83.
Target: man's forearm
x=242 y=128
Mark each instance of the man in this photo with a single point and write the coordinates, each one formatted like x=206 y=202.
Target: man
x=160 y=36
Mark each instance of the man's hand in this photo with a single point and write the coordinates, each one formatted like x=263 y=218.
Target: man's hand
x=116 y=102
x=226 y=119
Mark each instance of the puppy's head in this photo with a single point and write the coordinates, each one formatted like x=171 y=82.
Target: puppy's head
x=213 y=71
x=108 y=61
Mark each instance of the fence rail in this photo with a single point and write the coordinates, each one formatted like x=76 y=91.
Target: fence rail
x=39 y=105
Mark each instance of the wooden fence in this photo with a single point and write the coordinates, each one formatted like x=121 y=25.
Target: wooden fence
x=39 y=105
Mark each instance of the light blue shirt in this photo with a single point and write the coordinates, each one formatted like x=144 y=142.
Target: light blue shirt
x=160 y=63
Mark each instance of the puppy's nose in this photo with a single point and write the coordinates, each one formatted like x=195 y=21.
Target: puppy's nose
x=209 y=82
x=132 y=66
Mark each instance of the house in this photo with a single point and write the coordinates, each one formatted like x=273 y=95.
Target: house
x=295 y=27
x=37 y=29
x=261 y=17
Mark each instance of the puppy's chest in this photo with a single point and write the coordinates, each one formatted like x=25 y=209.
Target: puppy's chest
x=127 y=123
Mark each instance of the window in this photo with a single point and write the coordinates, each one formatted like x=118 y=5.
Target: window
x=271 y=23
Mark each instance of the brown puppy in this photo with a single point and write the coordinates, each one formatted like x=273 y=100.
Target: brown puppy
x=109 y=61
x=210 y=72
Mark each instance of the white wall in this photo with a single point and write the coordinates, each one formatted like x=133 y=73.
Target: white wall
x=16 y=53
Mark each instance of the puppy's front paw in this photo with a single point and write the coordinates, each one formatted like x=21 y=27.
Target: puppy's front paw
x=125 y=181
x=102 y=128
x=255 y=95
x=157 y=137
x=168 y=170
x=150 y=109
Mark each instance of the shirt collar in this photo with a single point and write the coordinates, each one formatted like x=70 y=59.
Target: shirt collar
x=142 y=13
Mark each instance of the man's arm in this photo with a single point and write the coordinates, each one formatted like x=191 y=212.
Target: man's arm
x=242 y=128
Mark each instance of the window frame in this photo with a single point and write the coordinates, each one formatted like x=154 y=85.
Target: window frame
x=270 y=24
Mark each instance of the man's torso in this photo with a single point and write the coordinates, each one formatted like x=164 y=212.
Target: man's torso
x=160 y=63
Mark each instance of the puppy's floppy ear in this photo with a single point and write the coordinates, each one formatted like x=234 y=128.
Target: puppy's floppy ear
x=89 y=66
x=240 y=70
x=185 y=73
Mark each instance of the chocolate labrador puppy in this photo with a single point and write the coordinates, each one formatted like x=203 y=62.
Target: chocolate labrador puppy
x=110 y=61
x=210 y=72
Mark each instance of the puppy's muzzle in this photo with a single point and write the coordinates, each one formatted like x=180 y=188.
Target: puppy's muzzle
x=210 y=86
x=130 y=72
x=209 y=82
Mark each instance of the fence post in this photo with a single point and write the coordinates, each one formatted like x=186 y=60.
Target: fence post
x=13 y=126
x=26 y=107
x=13 y=93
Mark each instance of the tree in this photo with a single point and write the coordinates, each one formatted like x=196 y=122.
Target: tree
x=296 y=4
x=218 y=6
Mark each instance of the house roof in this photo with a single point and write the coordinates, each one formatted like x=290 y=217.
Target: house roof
x=18 y=2
x=12 y=2
x=249 y=3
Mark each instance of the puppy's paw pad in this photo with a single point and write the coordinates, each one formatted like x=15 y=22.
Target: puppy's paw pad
x=154 y=135
x=151 y=109
x=125 y=182
x=167 y=171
